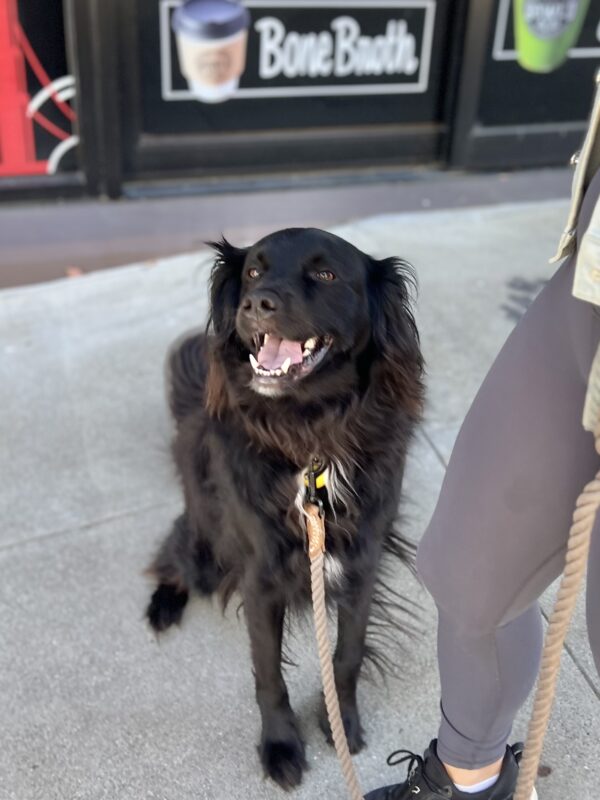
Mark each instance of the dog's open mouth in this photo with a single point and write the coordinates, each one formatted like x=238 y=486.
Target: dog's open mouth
x=279 y=359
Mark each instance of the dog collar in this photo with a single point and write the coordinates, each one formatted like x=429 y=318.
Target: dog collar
x=319 y=475
x=315 y=479
x=315 y=476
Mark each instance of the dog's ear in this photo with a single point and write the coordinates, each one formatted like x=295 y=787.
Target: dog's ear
x=398 y=367
x=225 y=286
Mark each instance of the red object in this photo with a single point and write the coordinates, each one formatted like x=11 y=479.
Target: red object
x=17 y=144
x=17 y=140
x=39 y=71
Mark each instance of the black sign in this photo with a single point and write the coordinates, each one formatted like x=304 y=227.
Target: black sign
x=513 y=94
x=310 y=49
x=325 y=62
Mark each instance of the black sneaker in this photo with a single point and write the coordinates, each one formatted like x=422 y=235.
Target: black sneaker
x=427 y=778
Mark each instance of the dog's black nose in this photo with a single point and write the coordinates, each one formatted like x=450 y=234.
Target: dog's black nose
x=260 y=304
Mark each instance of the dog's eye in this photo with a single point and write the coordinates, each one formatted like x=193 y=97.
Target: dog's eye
x=253 y=273
x=325 y=275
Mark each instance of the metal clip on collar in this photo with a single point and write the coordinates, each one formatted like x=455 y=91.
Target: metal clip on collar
x=312 y=497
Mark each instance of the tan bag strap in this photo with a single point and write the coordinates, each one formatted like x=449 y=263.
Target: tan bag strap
x=587 y=161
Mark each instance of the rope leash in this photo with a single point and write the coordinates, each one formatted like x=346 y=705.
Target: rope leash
x=315 y=526
x=578 y=548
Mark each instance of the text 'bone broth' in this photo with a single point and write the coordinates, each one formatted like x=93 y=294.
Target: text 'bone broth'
x=341 y=52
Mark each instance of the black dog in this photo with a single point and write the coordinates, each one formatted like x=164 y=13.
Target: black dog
x=311 y=353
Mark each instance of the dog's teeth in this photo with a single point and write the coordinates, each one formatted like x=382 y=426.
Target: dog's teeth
x=277 y=372
x=266 y=339
x=254 y=362
x=310 y=344
x=286 y=365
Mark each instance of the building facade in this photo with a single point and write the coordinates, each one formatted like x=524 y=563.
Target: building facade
x=130 y=97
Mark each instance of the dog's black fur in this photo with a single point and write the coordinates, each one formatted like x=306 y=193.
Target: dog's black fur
x=240 y=453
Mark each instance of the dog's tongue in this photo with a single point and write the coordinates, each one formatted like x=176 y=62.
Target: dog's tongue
x=275 y=352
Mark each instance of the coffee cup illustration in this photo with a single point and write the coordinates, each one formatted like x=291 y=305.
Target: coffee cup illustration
x=212 y=37
x=545 y=31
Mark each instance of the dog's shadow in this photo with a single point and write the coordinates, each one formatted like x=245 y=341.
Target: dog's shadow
x=521 y=294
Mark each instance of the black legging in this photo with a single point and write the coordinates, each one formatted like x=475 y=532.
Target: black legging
x=497 y=537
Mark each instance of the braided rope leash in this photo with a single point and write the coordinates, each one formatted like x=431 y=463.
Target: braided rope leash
x=315 y=526
x=578 y=548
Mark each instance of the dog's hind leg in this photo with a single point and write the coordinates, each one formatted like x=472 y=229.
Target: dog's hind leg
x=170 y=597
x=184 y=563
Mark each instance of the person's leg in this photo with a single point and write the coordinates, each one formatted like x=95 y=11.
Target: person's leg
x=498 y=534
x=492 y=675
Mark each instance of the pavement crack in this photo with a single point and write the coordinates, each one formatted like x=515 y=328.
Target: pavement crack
x=434 y=447
x=578 y=665
x=81 y=526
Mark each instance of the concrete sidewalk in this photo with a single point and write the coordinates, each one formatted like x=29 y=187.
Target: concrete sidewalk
x=92 y=707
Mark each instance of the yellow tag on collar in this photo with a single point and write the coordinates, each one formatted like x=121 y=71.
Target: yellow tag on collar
x=320 y=481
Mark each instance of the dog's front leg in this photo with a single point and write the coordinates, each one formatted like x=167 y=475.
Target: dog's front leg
x=281 y=748
x=353 y=617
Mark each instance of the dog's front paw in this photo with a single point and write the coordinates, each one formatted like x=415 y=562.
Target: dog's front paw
x=283 y=760
x=352 y=726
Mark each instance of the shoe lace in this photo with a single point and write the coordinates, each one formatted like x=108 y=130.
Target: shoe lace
x=415 y=770
x=415 y=763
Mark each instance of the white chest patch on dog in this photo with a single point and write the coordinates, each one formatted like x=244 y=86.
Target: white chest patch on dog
x=334 y=571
